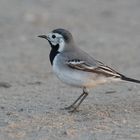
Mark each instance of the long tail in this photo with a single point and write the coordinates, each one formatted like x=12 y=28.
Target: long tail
x=129 y=79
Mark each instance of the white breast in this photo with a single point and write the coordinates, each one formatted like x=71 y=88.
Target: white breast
x=62 y=72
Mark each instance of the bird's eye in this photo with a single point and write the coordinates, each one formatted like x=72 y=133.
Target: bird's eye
x=53 y=36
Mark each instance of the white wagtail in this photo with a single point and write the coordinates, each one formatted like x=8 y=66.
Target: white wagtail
x=75 y=67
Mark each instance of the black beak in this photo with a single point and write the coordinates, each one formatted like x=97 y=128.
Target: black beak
x=43 y=36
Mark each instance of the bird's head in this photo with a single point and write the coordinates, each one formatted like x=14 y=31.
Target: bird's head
x=58 y=39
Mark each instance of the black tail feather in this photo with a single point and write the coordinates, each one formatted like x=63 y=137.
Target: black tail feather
x=129 y=79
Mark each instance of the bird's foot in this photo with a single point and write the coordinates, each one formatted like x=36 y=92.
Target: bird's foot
x=69 y=107
x=73 y=110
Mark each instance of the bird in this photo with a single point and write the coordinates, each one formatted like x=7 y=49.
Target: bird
x=76 y=67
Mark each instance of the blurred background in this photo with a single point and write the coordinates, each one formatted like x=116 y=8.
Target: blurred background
x=107 y=29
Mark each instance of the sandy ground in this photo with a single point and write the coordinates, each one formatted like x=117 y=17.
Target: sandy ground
x=31 y=97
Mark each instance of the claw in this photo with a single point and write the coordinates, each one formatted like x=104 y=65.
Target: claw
x=69 y=107
x=73 y=110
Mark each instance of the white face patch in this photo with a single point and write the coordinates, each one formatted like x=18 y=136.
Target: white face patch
x=55 y=39
x=61 y=45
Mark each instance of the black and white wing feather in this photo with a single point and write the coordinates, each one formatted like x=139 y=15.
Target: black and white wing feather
x=100 y=69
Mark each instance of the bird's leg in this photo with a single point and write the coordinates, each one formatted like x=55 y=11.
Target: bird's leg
x=85 y=94
x=72 y=106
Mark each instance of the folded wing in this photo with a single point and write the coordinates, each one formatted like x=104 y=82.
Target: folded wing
x=100 y=69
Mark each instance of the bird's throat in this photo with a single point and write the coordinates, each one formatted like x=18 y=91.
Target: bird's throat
x=53 y=53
